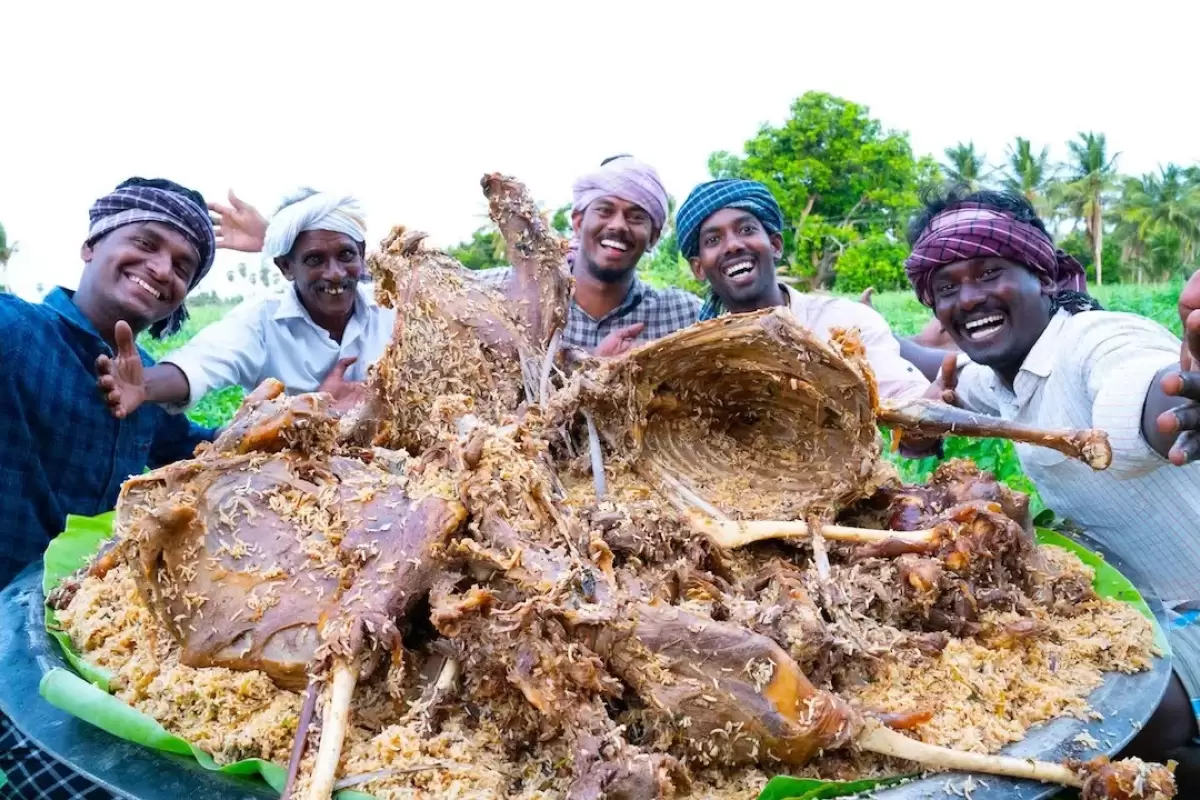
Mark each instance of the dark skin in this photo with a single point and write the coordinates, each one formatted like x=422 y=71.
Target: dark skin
x=969 y=291
x=613 y=234
x=319 y=263
x=135 y=276
x=737 y=257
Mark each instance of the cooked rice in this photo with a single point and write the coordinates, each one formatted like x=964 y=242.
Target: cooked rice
x=983 y=699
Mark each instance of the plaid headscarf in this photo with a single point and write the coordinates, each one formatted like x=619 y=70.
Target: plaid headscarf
x=158 y=200
x=628 y=178
x=973 y=230
x=709 y=198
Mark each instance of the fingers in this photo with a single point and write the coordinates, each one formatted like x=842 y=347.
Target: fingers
x=1182 y=384
x=343 y=364
x=632 y=331
x=1191 y=333
x=124 y=336
x=104 y=365
x=1186 y=448
x=1179 y=419
x=865 y=297
x=236 y=201
x=949 y=372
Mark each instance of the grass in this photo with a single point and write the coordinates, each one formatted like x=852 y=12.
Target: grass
x=903 y=313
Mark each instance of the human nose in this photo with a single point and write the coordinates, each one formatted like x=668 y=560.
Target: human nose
x=970 y=295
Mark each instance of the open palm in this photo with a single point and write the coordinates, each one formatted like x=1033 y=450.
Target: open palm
x=122 y=379
x=238 y=226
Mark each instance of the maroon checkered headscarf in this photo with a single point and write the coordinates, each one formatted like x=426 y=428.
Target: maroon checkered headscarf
x=973 y=230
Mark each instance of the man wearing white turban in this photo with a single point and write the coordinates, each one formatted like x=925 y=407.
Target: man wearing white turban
x=320 y=333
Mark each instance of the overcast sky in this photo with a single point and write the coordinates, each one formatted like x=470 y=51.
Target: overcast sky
x=407 y=105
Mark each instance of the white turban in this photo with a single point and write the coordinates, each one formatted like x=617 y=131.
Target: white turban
x=322 y=211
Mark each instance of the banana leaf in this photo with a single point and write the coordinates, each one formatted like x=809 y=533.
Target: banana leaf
x=86 y=695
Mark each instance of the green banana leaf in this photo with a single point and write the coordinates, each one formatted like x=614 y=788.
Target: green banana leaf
x=86 y=695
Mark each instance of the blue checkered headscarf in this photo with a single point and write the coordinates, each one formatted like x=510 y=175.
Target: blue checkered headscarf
x=709 y=198
x=158 y=200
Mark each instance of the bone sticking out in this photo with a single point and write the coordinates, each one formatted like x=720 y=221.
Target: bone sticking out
x=548 y=367
x=733 y=534
x=601 y=483
x=298 y=745
x=820 y=552
x=922 y=416
x=875 y=738
x=333 y=731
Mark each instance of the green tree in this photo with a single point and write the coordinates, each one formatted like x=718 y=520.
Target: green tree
x=838 y=176
x=877 y=260
x=1027 y=172
x=1087 y=187
x=1158 y=222
x=484 y=250
x=965 y=165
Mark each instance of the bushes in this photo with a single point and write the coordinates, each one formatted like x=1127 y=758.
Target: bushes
x=874 y=261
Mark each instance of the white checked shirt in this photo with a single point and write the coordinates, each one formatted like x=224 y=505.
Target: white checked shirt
x=274 y=337
x=1092 y=370
x=897 y=378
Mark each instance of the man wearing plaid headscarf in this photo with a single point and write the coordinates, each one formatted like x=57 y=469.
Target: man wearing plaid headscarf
x=148 y=244
x=731 y=232
x=1038 y=350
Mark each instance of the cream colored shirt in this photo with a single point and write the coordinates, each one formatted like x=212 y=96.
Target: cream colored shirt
x=1093 y=370
x=274 y=337
x=897 y=378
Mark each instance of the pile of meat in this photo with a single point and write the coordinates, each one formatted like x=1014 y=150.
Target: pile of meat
x=679 y=562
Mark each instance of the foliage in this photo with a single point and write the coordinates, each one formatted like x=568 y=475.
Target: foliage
x=838 y=175
x=874 y=261
x=965 y=165
x=485 y=250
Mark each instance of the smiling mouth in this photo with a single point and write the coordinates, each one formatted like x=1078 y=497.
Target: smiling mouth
x=984 y=327
x=738 y=269
x=155 y=293
x=613 y=244
x=335 y=291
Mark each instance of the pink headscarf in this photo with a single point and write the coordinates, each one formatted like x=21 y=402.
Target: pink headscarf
x=972 y=230
x=631 y=180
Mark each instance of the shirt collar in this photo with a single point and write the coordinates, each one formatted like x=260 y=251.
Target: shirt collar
x=638 y=291
x=1040 y=360
x=62 y=301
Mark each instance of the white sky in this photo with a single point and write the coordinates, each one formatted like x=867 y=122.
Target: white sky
x=408 y=105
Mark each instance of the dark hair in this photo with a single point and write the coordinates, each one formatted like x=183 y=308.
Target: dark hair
x=936 y=199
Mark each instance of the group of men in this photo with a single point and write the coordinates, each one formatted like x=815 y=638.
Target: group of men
x=1015 y=335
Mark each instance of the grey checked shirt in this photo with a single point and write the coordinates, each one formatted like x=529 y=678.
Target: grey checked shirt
x=663 y=311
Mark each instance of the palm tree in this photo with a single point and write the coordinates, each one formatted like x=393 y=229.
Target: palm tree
x=964 y=165
x=1026 y=172
x=1157 y=212
x=1090 y=179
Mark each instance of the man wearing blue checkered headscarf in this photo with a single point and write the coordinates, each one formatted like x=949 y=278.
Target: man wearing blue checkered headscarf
x=731 y=232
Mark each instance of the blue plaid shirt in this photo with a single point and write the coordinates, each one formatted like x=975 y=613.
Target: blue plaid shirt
x=63 y=450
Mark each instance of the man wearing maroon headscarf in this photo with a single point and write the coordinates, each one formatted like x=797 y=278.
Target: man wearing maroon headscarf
x=1044 y=353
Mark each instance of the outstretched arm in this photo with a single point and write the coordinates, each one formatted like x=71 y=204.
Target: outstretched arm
x=126 y=384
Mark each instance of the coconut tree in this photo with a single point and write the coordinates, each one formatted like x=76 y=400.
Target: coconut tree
x=965 y=165
x=1027 y=172
x=1156 y=212
x=1090 y=177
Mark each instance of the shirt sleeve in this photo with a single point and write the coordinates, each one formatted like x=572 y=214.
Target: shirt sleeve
x=1115 y=359
x=897 y=378
x=974 y=387
x=230 y=352
x=176 y=440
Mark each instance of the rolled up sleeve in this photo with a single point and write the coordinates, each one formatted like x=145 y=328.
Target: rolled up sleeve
x=230 y=352
x=896 y=377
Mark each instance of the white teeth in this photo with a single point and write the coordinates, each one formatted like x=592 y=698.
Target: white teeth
x=739 y=269
x=157 y=294
x=614 y=244
x=994 y=319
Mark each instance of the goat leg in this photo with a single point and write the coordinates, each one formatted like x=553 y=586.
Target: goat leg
x=732 y=534
x=333 y=730
x=922 y=416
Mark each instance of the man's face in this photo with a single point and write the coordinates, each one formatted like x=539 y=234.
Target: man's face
x=737 y=257
x=613 y=235
x=994 y=309
x=326 y=268
x=139 y=273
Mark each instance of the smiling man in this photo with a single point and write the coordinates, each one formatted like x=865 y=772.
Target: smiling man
x=320 y=333
x=731 y=233
x=149 y=243
x=1044 y=353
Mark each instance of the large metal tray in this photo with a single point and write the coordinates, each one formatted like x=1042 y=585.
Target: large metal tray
x=131 y=771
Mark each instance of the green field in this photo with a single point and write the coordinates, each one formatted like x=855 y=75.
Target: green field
x=901 y=309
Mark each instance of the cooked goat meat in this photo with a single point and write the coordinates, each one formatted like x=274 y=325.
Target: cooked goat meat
x=1129 y=779
x=269 y=421
x=788 y=615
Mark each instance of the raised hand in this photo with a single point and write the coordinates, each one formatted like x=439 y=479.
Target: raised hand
x=346 y=394
x=238 y=226
x=942 y=389
x=122 y=380
x=619 y=341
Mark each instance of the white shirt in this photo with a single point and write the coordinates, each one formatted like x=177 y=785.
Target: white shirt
x=1093 y=370
x=274 y=337
x=897 y=378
